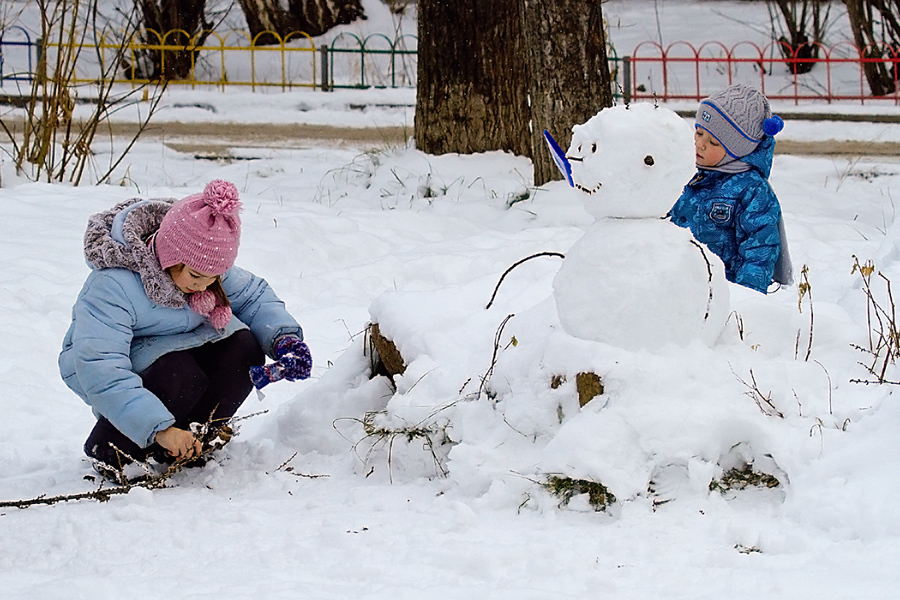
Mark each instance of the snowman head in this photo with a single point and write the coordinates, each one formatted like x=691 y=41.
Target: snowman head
x=631 y=161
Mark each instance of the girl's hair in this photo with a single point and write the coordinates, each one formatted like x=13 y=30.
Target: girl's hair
x=215 y=287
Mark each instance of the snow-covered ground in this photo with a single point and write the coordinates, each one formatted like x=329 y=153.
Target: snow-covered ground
x=303 y=504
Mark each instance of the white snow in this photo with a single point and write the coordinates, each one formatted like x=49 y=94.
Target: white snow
x=302 y=504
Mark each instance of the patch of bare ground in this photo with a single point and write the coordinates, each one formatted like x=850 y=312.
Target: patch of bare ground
x=216 y=137
x=849 y=148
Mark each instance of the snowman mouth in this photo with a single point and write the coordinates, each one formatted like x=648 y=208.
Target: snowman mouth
x=587 y=190
x=577 y=185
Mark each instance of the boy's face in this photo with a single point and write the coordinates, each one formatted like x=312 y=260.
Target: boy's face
x=707 y=148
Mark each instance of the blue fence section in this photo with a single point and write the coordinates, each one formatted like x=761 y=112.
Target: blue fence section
x=18 y=55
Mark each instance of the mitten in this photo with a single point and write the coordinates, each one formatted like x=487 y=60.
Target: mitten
x=294 y=362
x=264 y=375
x=296 y=365
x=289 y=344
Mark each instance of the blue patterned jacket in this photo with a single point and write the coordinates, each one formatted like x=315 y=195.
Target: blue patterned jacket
x=736 y=216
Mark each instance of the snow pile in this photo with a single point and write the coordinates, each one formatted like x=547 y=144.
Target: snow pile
x=488 y=397
x=348 y=486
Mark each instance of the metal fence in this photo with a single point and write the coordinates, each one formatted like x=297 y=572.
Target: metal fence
x=352 y=54
x=679 y=71
x=17 y=48
x=682 y=71
x=229 y=59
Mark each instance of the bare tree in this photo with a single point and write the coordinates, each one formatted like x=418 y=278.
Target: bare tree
x=876 y=31
x=50 y=143
x=179 y=23
x=494 y=75
x=284 y=17
x=803 y=26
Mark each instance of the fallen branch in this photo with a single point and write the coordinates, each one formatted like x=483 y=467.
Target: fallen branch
x=153 y=482
x=100 y=494
x=285 y=466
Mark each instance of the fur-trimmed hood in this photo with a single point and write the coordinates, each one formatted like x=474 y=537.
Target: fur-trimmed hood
x=117 y=238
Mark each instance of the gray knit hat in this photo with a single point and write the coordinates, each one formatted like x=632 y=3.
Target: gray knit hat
x=739 y=117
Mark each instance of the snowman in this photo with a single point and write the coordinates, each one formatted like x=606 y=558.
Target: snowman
x=635 y=280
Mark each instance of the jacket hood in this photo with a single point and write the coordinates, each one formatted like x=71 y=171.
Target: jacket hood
x=761 y=158
x=117 y=238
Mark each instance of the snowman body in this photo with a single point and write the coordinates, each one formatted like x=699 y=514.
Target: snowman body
x=635 y=280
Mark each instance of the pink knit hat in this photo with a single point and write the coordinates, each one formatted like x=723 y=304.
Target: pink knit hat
x=202 y=231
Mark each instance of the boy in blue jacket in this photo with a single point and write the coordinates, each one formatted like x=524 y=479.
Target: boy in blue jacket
x=729 y=205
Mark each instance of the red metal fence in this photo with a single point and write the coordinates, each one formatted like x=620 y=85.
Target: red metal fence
x=815 y=73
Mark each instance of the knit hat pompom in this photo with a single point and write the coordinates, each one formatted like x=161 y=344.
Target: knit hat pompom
x=221 y=197
x=738 y=117
x=202 y=231
x=220 y=316
x=205 y=303
x=773 y=125
x=202 y=302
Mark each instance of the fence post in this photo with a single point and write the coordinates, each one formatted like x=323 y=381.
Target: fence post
x=324 y=50
x=626 y=79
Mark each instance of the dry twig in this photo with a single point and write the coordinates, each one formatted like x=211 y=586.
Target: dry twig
x=763 y=401
x=514 y=265
x=884 y=336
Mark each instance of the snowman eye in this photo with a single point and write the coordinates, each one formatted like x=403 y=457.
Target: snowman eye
x=648 y=160
x=593 y=148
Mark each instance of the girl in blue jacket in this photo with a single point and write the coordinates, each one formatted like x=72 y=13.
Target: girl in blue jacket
x=729 y=205
x=165 y=330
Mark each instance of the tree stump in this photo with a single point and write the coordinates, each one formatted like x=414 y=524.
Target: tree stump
x=589 y=385
x=387 y=360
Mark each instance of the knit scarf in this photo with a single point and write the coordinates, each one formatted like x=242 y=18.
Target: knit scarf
x=730 y=165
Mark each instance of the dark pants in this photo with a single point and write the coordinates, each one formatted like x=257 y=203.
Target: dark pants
x=206 y=384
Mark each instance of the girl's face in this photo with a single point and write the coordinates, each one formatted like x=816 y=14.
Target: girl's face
x=188 y=280
x=707 y=148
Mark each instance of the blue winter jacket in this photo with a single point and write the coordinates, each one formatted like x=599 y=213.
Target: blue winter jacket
x=736 y=215
x=129 y=313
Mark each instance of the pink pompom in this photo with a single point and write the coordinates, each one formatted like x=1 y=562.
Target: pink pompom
x=222 y=197
x=220 y=317
x=202 y=302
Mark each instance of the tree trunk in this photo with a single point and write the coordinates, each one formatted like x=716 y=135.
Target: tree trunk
x=494 y=74
x=859 y=12
x=570 y=79
x=313 y=17
x=471 y=91
x=185 y=19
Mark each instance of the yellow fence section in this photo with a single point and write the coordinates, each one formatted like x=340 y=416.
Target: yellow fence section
x=234 y=58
